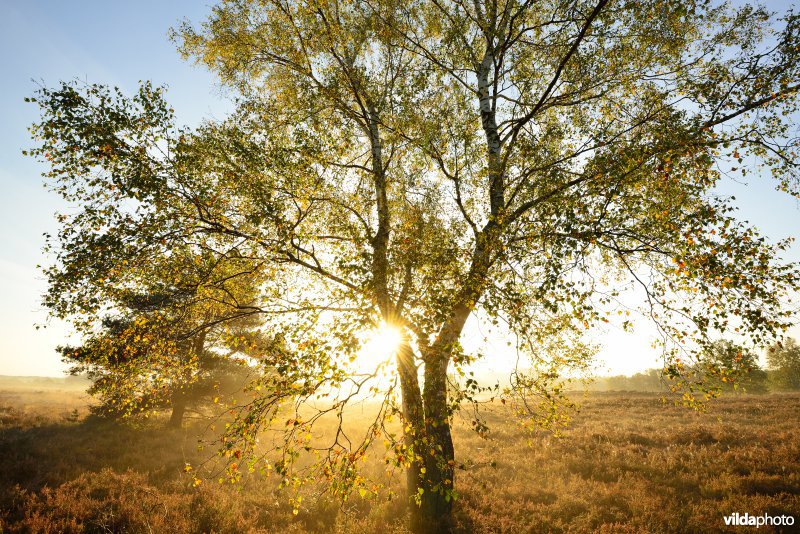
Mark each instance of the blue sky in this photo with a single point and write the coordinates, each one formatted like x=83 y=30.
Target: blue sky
x=43 y=42
x=120 y=43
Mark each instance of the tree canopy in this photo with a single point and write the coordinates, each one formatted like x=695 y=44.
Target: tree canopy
x=783 y=360
x=732 y=367
x=413 y=164
x=169 y=344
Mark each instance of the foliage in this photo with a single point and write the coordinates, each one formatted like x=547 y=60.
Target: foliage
x=169 y=339
x=526 y=164
x=733 y=367
x=651 y=380
x=161 y=311
x=783 y=360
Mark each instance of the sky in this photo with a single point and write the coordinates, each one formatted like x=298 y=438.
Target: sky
x=44 y=42
x=120 y=43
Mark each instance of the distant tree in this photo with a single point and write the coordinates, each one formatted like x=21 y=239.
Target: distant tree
x=167 y=345
x=650 y=380
x=416 y=164
x=136 y=369
x=783 y=360
x=733 y=367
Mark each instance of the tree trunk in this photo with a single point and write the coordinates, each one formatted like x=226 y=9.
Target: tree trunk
x=180 y=391
x=178 y=409
x=414 y=424
x=437 y=484
x=435 y=513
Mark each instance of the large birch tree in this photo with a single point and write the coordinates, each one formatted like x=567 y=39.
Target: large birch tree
x=416 y=164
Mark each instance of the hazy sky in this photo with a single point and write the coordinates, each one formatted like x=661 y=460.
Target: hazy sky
x=120 y=43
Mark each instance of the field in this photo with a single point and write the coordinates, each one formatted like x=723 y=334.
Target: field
x=628 y=463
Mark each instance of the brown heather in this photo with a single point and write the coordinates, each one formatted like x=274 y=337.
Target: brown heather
x=628 y=463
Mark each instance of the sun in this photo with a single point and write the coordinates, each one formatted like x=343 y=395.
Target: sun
x=381 y=344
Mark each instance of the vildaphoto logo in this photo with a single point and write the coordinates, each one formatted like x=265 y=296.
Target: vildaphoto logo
x=747 y=520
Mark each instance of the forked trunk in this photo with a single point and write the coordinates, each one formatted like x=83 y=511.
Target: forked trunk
x=427 y=435
x=438 y=480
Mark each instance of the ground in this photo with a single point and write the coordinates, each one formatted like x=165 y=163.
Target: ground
x=627 y=463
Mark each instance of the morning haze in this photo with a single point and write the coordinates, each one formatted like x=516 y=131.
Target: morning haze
x=489 y=266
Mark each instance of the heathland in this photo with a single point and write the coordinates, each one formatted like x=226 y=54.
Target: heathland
x=628 y=462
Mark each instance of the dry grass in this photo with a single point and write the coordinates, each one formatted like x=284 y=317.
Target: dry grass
x=628 y=463
x=632 y=464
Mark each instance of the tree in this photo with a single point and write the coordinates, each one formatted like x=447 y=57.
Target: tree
x=147 y=359
x=174 y=330
x=733 y=367
x=650 y=380
x=414 y=164
x=783 y=360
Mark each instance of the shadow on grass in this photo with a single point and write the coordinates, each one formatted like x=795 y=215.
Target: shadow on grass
x=51 y=453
